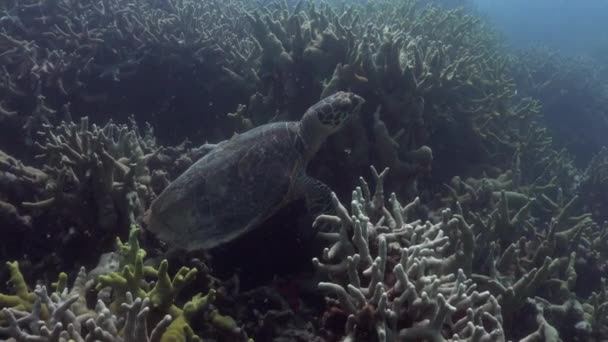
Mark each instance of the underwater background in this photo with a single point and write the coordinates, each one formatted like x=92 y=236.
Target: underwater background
x=469 y=191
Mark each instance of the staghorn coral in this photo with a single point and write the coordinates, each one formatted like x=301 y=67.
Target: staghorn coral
x=382 y=263
x=162 y=294
x=17 y=182
x=394 y=277
x=433 y=71
x=593 y=186
x=84 y=163
x=64 y=324
x=532 y=247
x=89 y=183
x=64 y=314
x=414 y=287
x=61 y=53
x=93 y=181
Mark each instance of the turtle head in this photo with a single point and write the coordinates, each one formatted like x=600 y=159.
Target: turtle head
x=327 y=117
x=330 y=114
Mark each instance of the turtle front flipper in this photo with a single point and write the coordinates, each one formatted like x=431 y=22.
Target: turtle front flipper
x=318 y=201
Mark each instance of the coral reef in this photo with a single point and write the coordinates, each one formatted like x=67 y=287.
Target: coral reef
x=396 y=278
x=593 y=186
x=134 y=303
x=104 y=102
x=393 y=275
x=433 y=73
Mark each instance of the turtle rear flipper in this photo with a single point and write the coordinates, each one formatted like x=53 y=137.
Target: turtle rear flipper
x=179 y=228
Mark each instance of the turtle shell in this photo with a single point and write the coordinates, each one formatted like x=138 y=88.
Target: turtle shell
x=231 y=190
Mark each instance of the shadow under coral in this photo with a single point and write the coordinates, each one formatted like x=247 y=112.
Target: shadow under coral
x=282 y=246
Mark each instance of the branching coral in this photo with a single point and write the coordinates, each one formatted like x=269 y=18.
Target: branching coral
x=594 y=186
x=532 y=248
x=17 y=182
x=390 y=273
x=433 y=71
x=63 y=323
x=64 y=314
x=105 y=165
x=415 y=286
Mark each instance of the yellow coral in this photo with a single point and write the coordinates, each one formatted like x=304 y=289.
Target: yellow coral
x=23 y=299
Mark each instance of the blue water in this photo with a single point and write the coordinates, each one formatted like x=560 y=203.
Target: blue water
x=574 y=27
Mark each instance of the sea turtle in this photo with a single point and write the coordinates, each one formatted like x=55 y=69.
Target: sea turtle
x=243 y=181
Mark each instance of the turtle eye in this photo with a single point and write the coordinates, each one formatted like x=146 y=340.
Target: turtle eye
x=336 y=109
x=332 y=118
